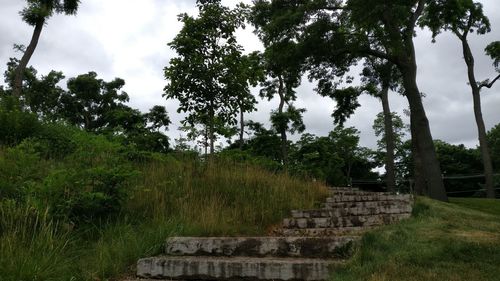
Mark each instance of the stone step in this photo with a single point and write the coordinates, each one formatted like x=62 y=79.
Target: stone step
x=352 y=211
x=324 y=232
x=306 y=247
x=233 y=268
x=370 y=197
x=343 y=193
x=343 y=188
x=366 y=204
x=347 y=221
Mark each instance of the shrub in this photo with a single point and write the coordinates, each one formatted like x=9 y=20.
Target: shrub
x=15 y=126
x=83 y=195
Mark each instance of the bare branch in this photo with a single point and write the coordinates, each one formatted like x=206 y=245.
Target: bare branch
x=489 y=85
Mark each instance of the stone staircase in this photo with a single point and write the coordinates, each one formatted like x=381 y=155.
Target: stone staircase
x=305 y=248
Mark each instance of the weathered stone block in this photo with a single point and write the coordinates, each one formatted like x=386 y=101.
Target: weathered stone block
x=305 y=247
x=221 y=268
x=347 y=221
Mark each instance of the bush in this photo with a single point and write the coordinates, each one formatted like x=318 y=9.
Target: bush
x=83 y=195
x=56 y=141
x=20 y=169
x=15 y=126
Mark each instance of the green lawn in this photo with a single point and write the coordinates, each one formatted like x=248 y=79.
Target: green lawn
x=442 y=241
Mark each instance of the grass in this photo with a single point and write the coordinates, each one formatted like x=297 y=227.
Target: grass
x=168 y=197
x=490 y=206
x=442 y=241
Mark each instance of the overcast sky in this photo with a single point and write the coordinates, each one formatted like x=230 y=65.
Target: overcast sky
x=128 y=39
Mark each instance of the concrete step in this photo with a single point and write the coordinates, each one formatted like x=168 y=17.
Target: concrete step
x=347 y=221
x=369 y=197
x=352 y=211
x=366 y=204
x=306 y=247
x=233 y=268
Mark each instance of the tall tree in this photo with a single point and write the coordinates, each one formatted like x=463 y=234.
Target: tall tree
x=36 y=13
x=462 y=17
x=282 y=66
x=40 y=95
x=205 y=76
x=383 y=29
x=251 y=73
x=397 y=129
x=379 y=78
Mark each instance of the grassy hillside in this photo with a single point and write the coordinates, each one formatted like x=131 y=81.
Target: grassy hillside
x=443 y=241
x=90 y=211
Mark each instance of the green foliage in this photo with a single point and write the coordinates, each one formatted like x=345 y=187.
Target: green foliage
x=288 y=121
x=210 y=75
x=457 y=159
x=334 y=159
x=399 y=127
x=37 y=11
x=493 y=137
x=493 y=50
x=317 y=158
x=17 y=125
x=76 y=206
x=459 y=16
x=89 y=101
x=264 y=142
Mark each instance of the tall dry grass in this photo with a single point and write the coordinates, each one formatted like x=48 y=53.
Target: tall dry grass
x=220 y=197
x=169 y=197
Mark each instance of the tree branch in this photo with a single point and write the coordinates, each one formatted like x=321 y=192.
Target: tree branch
x=416 y=15
x=489 y=85
x=379 y=54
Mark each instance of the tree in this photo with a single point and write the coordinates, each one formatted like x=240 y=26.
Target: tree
x=493 y=137
x=40 y=96
x=90 y=103
x=335 y=158
x=36 y=13
x=344 y=29
x=282 y=66
x=397 y=129
x=251 y=73
x=462 y=17
x=379 y=77
x=206 y=76
x=318 y=158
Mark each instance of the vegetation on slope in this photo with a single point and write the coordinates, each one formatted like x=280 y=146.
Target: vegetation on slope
x=457 y=241
x=86 y=207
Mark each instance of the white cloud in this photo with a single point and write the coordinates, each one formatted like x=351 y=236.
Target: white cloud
x=128 y=39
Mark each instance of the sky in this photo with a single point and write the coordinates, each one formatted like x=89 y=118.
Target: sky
x=128 y=39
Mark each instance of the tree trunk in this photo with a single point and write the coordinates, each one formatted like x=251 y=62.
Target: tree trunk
x=19 y=75
x=205 y=141
x=389 y=141
x=211 y=136
x=420 y=187
x=242 y=126
x=481 y=129
x=282 y=129
x=420 y=126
